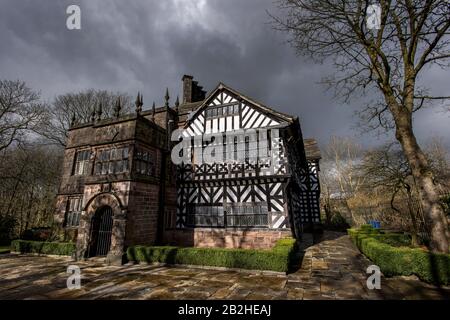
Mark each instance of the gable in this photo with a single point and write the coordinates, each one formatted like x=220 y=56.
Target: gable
x=251 y=118
x=226 y=110
x=222 y=98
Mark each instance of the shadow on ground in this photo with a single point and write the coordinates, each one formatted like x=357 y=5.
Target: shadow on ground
x=330 y=269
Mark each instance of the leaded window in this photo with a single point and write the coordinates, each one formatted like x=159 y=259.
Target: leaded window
x=145 y=161
x=222 y=111
x=205 y=216
x=247 y=149
x=112 y=161
x=235 y=148
x=82 y=162
x=229 y=215
x=254 y=149
x=73 y=212
x=247 y=214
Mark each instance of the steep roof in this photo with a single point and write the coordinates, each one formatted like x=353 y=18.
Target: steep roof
x=262 y=107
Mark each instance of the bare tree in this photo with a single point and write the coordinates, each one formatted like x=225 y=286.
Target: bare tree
x=439 y=158
x=387 y=168
x=81 y=107
x=387 y=59
x=343 y=155
x=30 y=178
x=327 y=183
x=20 y=111
x=340 y=176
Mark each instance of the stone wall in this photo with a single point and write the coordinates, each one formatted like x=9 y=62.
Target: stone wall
x=102 y=132
x=60 y=208
x=142 y=219
x=120 y=189
x=225 y=238
x=160 y=116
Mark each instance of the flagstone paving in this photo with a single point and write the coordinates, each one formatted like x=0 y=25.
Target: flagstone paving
x=330 y=269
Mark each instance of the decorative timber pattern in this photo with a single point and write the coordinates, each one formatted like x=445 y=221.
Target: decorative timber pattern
x=314 y=191
x=238 y=192
x=254 y=119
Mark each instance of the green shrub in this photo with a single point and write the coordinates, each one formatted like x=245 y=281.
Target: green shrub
x=429 y=267
x=276 y=259
x=394 y=239
x=4 y=250
x=56 y=248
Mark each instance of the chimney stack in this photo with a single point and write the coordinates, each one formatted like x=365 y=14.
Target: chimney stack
x=187 y=88
x=192 y=92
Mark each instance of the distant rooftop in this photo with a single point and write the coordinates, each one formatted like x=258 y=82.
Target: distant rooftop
x=312 y=149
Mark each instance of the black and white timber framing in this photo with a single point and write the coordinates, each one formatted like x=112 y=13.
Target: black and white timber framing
x=279 y=192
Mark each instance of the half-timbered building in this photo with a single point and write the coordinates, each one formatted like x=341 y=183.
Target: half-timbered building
x=214 y=170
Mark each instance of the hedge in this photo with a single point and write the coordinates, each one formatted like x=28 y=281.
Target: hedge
x=56 y=248
x=276 y=259
x=4 y=250
x=393 y=261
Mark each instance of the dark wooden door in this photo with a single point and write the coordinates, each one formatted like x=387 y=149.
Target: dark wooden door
x=101 y=229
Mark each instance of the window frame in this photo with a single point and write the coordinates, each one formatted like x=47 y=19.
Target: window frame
x=81 y=167
x=73 y=213
x=145 y=161
x=226 y=110
x=110 y=161
x=226 y=213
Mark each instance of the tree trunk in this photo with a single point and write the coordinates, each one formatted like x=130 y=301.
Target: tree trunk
x=412 y=213
x=434 y=214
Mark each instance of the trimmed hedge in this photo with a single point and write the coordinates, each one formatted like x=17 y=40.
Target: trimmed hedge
x=56 y=248
x=428 y=266
x=4 y=250
x=276 y=259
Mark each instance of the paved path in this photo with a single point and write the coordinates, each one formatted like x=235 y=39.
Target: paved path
x=332 y=269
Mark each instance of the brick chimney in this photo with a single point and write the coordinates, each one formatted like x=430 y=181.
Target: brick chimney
x=192 y=92
x=187 y=88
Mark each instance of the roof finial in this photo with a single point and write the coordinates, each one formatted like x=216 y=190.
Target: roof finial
x=117 y=108
x=153 y=111
x=177 y=103
x=141 y=103
x=166 y=98
x=138 y=104
x=99 y=112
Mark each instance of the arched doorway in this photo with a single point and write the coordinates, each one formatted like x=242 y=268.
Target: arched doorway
x=100 y=234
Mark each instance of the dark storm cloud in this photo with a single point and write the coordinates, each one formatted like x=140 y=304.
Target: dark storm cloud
x=148 y=45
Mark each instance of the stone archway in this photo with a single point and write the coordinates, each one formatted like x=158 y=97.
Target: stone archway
x=102 y=200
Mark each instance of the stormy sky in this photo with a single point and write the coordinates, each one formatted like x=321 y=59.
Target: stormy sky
x=147 y=45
